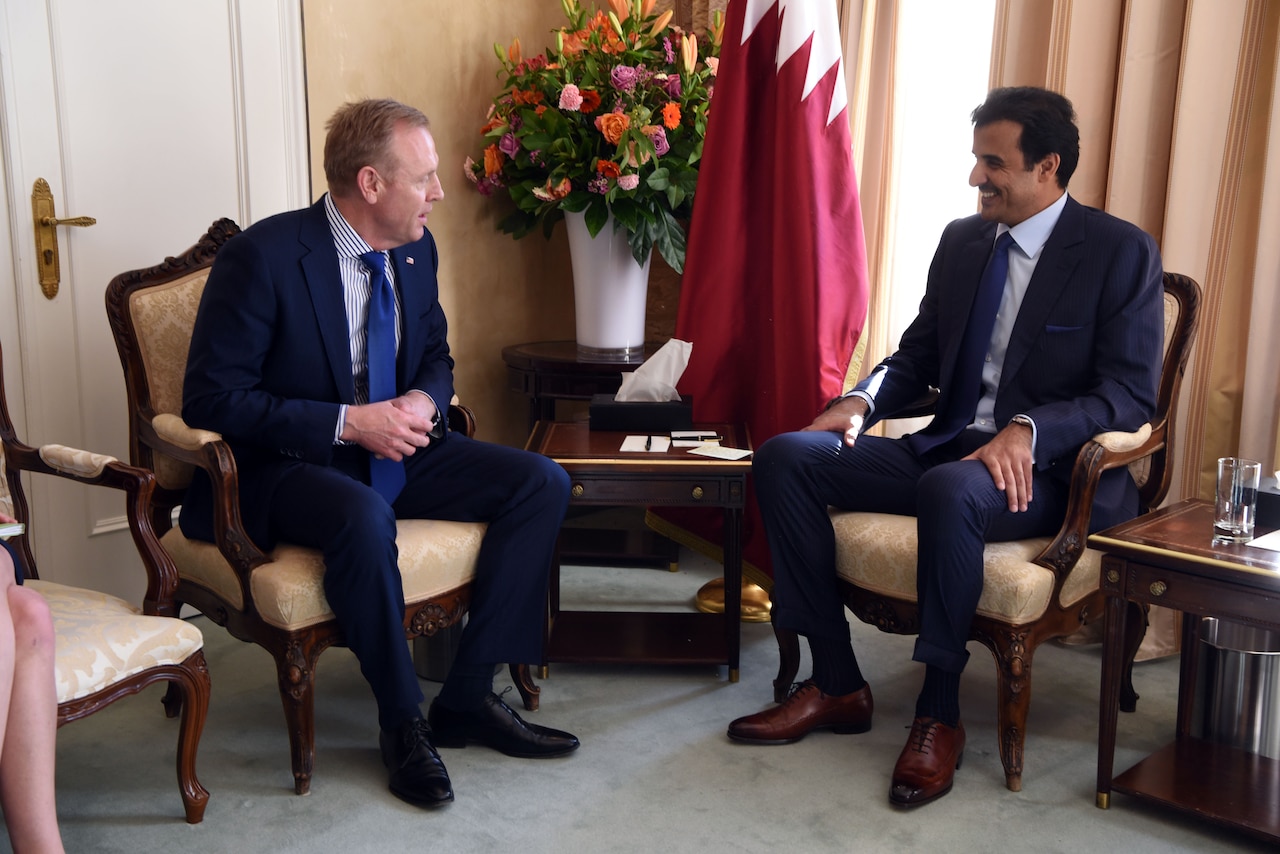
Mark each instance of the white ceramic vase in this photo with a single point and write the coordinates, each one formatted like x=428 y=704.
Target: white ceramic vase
x=610 y=291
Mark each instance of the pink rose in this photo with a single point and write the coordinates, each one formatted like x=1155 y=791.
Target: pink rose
x=629 y=182
x=570 y=98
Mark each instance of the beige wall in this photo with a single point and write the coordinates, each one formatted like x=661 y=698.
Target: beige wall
x=439 y=57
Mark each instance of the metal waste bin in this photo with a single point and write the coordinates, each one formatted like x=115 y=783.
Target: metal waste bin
x=433 y=656
x=1238 y=687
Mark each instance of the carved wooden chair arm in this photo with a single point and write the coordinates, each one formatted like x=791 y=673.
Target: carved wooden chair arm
x=462 y=419
x=172 y=436
x=138 y=484
x=1103 y=452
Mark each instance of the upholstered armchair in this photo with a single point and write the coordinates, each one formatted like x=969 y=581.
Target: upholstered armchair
x=107 y=648
x=1035 y=589
x=274 y=599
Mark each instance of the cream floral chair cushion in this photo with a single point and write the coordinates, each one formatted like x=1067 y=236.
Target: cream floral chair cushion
x=103 y=640
x=107 y=648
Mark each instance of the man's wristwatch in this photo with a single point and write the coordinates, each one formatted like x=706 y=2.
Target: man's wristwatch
x=1024 y=420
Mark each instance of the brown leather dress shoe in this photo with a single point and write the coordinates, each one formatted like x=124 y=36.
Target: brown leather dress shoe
x=805 y=710
x=927 y=765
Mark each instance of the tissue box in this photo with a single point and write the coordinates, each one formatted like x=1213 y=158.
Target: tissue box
x=640 y=416
x=1268 y=503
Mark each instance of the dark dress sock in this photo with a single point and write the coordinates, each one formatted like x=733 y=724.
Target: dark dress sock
x=835 y=667
x=940 y=696
x=466 y=686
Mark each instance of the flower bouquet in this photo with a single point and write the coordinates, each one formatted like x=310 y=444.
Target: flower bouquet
x=610 y=120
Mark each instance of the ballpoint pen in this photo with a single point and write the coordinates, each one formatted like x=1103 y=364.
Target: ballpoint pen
x=648 y=443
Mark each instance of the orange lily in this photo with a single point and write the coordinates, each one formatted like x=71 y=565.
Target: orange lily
x=689 y=52
x=661 y=24
x=621 y=8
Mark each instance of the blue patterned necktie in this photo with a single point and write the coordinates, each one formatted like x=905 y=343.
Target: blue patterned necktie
x=966 y=387
x=386 y=476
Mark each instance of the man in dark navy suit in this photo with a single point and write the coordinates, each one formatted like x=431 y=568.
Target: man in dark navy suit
x=1068 y=345
x=286 y=363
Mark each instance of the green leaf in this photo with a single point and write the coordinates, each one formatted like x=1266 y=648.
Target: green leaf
x=671 y=241
x=659 y=179
x=630 y=214
x=597 y=216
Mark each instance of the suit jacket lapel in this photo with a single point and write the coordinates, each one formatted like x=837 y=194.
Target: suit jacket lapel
x=954 y=312
x=1059 y=258
x=411 y=294
x=319 y=263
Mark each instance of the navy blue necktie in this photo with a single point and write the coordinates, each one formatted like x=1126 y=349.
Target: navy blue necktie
x=386 y=476
x=966 y=388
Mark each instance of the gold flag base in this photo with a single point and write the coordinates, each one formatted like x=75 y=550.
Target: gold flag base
x=755 y=601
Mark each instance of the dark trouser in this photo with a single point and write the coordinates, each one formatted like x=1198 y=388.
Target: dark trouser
x=522 y=496
x=956 y=504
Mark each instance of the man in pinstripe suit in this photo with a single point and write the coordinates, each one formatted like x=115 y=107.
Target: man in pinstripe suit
x=281 y=366
x=1076 y=320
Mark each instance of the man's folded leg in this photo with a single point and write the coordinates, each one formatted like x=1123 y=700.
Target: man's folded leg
x=494 y=724
x=522 y=497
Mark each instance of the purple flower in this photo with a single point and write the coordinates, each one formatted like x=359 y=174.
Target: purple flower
x=673 y=86
x=658 y=136
x=598 y=184
x=670 y=52
x=509 y=145
x=624 y=77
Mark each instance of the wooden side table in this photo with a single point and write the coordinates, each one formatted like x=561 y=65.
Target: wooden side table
x=601 y=475
x=547 y=371
x=1168 y=558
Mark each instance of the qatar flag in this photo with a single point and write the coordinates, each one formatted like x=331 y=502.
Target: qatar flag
x=774 y=293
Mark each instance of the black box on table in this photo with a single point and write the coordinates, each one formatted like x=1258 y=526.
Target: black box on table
x=640 y=416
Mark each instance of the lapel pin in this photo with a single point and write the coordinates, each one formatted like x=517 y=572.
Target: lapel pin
x=408 y=259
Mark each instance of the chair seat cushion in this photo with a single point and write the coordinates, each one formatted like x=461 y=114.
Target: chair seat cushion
x=435 y=557
x=877 y=552
x=102 y=640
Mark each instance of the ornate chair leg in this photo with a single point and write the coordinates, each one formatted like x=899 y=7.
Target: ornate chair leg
x=1013 y=696
x=192 y=687
x=172 y=701
x=788 y=662
x=295 y=672
x=1136 y=630
x=529 y=690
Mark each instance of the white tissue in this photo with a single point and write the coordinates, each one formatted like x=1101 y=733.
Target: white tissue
x=656 y=379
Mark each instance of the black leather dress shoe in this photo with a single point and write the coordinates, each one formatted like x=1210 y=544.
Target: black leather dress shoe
x=417 y=774
x=496 y=725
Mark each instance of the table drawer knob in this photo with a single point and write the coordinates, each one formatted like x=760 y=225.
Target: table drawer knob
x=577 y=490
x=697 y=493
x=1112 y=576
x=1158 y=588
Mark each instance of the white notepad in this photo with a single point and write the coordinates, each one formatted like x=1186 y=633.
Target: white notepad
x=719 y=453
x=645 y=444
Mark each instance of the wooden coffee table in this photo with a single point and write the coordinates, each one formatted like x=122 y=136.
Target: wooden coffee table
x=602 y=475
